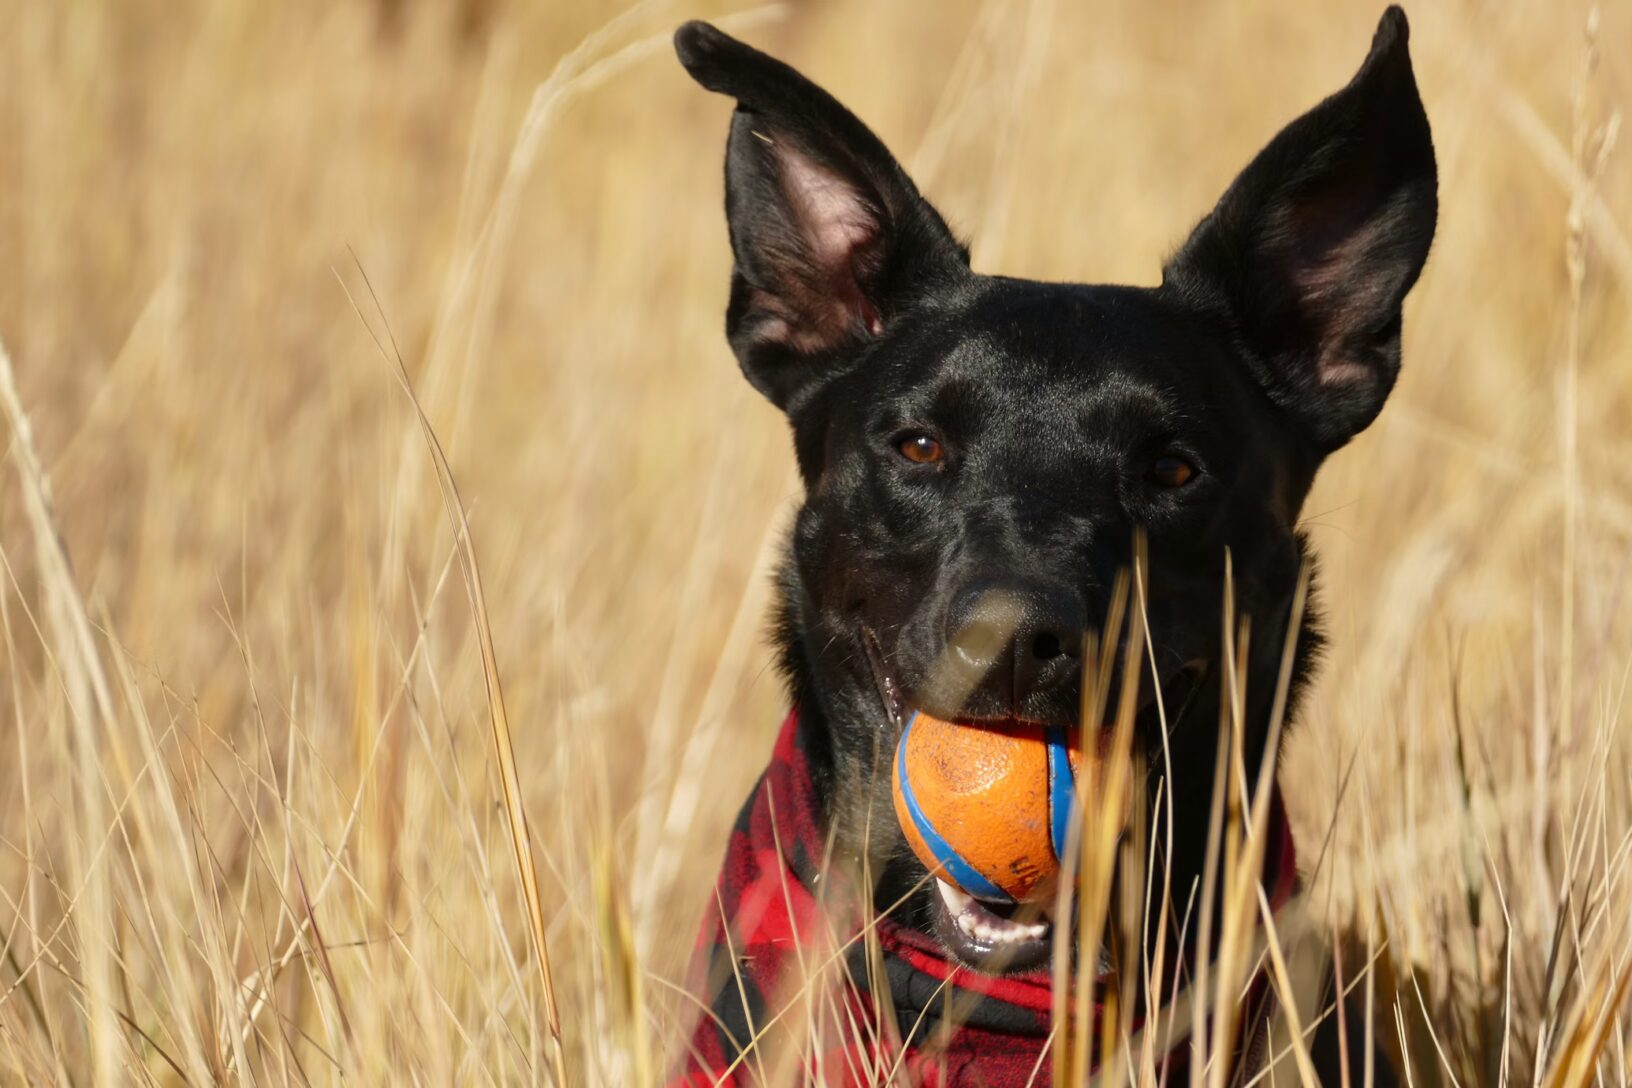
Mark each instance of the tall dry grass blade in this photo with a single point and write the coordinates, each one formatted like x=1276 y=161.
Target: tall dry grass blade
x=80 y=671
x=621 y=966
x=1282 y=978
x=1085 y=897
x=1202 y=986
x=1577 y=1062
x=498 y=717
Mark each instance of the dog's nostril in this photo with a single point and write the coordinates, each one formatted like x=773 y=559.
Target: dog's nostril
x=1046 y=646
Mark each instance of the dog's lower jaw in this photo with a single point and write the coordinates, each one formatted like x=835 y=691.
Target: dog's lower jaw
x=984 y=940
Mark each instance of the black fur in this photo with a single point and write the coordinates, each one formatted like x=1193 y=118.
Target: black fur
x=1059 y=411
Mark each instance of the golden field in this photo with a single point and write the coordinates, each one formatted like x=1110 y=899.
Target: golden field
x=255 y=826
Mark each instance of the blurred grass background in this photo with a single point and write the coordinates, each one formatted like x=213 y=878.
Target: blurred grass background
x=251 y=825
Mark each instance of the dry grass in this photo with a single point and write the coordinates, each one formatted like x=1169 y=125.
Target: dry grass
x=253 y=819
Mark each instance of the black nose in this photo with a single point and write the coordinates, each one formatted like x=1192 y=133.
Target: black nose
x=1016 y=639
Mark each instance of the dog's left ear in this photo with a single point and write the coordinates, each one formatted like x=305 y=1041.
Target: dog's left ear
x=1311 y=251
x=832 y=240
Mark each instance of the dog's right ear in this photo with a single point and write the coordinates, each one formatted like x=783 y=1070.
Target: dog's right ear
x=831 y=238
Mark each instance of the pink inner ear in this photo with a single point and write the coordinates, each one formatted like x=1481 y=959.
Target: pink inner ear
x=833 y=217
x=1338 y=243
x=834 y=226
x=1322 y=283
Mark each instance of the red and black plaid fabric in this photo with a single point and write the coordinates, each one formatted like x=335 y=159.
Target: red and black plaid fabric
x=778 y=966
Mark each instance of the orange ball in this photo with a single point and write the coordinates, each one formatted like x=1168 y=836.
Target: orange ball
x=986 y=806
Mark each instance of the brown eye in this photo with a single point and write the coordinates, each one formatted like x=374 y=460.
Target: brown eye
x=921 y=449
x=1171 y=471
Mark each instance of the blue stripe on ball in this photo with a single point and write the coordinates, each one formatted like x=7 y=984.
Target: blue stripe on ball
x=1062 y=790
x=963 y=874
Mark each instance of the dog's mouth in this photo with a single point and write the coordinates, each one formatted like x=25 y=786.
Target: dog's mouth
x=992 y=938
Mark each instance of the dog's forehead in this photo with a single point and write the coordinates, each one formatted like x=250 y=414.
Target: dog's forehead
x=1045 y=350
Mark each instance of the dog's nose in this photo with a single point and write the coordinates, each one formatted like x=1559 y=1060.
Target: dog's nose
x=1017 y=638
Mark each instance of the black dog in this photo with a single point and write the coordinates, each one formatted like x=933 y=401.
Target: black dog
x=979 y=452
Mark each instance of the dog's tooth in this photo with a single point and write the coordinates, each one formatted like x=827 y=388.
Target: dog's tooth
x=1004 y=931
x=957 y=902
x=980 y=923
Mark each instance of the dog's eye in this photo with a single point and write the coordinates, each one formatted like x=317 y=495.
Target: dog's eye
x=1171 y=471
x=921 y=449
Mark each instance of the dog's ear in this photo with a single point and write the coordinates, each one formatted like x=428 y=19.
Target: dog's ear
x=831 y=238
x=1311 y=251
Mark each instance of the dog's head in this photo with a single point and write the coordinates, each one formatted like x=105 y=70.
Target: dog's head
x=979 y=453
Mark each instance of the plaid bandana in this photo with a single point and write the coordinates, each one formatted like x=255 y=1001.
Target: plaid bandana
x=779 y=971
